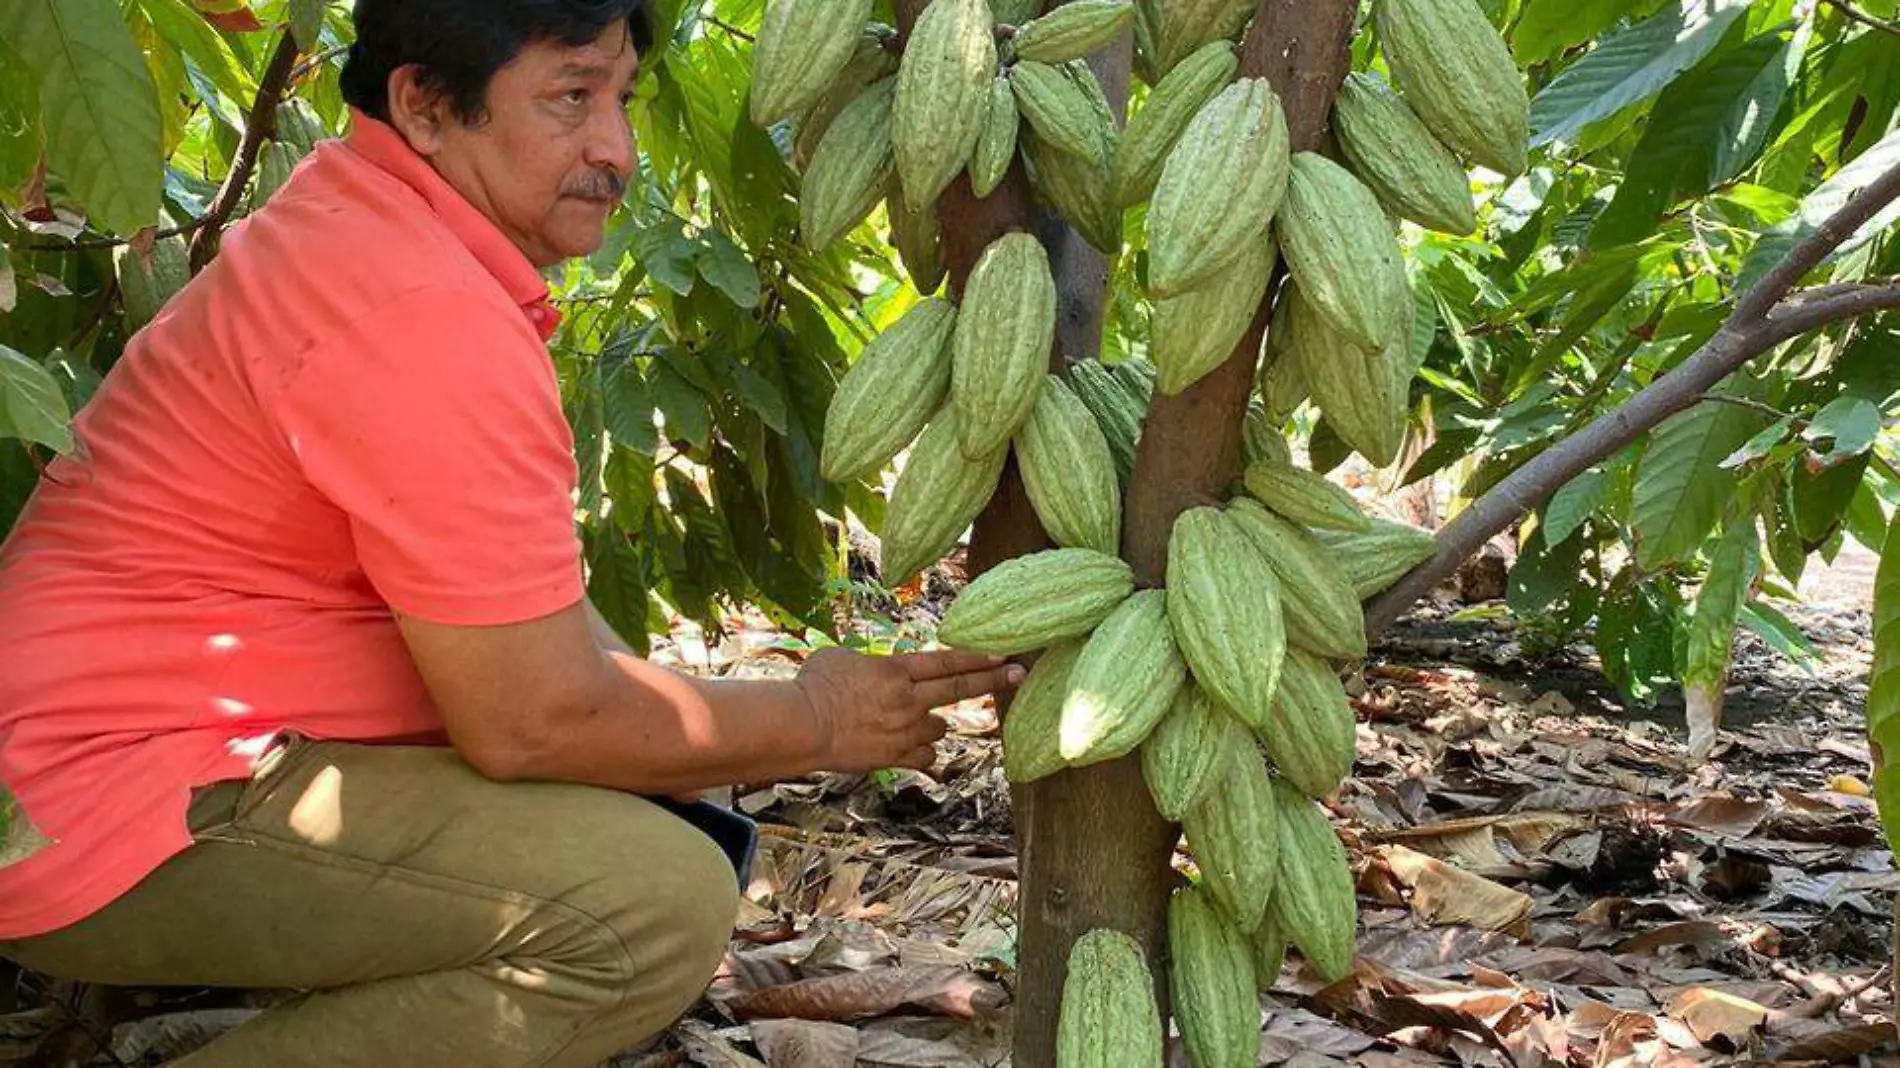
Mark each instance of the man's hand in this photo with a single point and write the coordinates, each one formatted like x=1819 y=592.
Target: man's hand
x=874 y=711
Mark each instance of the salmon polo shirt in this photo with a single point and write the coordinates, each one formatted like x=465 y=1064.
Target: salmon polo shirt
x=351 y=412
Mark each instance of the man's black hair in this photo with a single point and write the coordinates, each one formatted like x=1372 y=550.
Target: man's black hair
x=460 y=44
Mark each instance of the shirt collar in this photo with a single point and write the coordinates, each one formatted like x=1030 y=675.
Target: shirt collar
x=381 y=144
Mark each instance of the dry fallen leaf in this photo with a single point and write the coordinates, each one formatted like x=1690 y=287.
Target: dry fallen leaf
x=805 y=1043
x=1715 y=1014
x=944 y=990
x=1443 y=894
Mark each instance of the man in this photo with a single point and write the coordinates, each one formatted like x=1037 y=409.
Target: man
x=297 y=674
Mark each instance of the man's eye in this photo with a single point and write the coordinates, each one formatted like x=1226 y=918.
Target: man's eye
x=575 y=96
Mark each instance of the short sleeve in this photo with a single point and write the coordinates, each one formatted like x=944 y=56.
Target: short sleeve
x=435 y=424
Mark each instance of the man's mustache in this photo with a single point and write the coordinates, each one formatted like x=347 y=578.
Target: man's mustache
x=597 y=185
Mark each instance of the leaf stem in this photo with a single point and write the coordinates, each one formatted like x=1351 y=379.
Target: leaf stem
x=1852 y=12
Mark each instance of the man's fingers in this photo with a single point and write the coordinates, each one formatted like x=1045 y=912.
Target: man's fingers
x=946 y=662
x=935 y=693
x=920 y=758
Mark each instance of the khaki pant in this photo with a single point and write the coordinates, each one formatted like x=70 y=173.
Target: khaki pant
x=428 y=916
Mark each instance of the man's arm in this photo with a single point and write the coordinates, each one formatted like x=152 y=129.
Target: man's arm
x=604 y=632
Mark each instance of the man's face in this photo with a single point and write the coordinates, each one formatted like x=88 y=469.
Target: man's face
x=552 y=157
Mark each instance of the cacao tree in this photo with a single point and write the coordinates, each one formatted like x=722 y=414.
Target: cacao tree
x=1110 y=284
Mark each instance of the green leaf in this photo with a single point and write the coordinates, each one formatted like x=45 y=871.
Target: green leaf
x=19 y=837
x=180 y=24
x=687 y=412
x=1744 y=129
x=1779 y=633
x=629 y=406
x=1829 y=198
x=1570 y=506
x=1630 y=67
x=1719 y=603
x=1821 y=498
x=1548 y=27
x=1850 y=423
x=1883 y=684
x=1680 y=489
x=306 y=21
x=9 y=286
x=1543 y=574
x=31 y=406
x=1635 y=634
x=1866 y=521
x=616 y=584
x=723 y=264
x=667 y=254
x=99 y=105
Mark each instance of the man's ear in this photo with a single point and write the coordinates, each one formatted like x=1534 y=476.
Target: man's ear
x=417 y=111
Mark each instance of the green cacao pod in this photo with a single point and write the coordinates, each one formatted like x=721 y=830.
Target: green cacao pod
x=935 y=498
x=1014 y=12
x=1261 y=438
x=1414 y=176
x=1216 y=1000
x=1072 y=31
x=1198 y=226
x=996 y=146
x=1194 y=332
x=1127 y=678
x=1037 y=599
x=1069 y=472
x=1186 y=25
x=1306 y=498
x=1032 y=727
x=1005 y=329
x=1183 y=758
x=1322 y=616
x=275 y=162
x=1341 y=250
x=146 y=283
x=884 y=400
x=918 y=238
x=1154 y=129
x=1311 y=735
x=849 y=170
x=1457 y=74
x=1056 y=107
x=1225 y=606
x=802 y=45
x=943 y=89
x=299 y=126
x=1108 y=1018
x=1080 y=190
x=1269 y=951
x=1361 y=391
x=1137 y=378
x=1280 y=382
x=1313 y=898
x=1373 y=561
x=871 y=61
x=1234 y=835
x=1119 y=417
x=1147 y=51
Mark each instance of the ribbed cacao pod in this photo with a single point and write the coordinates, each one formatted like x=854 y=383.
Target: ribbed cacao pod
x=1413 y=175
x=1000 y=351
x=1321 y=614
x=802 y=45
x=275 y=162
x=1235 y=839
x=1058 y=110
x=1216 y=1000
x=1196 y=331
x=1080 y=190
x=1153 y=130
x=1108 y=1018
x=1269 y=951
x=1362 y=392
x=935 y=498
x=1184 y=757
x=1147 y=50
x=1225 y=605
x=1127 y=678
x=1197 y=227
x=849 y=170
x=146 y=283
x=1069 y=472
x=1373 y=561
x=1311 y=735
x=884 y=400
x=1313 y=897
x=1037 y=599
x=1014 y=12
x=1306 y=498
x=996 y=146
x=1032 y=727
x=1186 y=25
x=1072 y=31
x=1457 y=74
x=1262 y=439
x=918 y=238
x=1137 y=378
x=943 y=90
x=870 y=62
x=300 y=127
x=1120 y=418
x=1341 y=250
x=1280 y=382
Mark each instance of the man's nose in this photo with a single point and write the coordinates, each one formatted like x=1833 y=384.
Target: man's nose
x=611 y=145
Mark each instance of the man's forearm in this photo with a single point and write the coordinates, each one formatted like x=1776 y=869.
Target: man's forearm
x=604 y=634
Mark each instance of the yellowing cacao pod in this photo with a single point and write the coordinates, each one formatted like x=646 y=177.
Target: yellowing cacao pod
x=1225 y=605
x=1072 y=31
x=1313 y=898
x=1341 y=250
x=870 y=62
x=1069 y=472
x=1000 y=351
x=1119 y=416
x=1127 y=678
x=1153 y=130
x=849 y=170
x=884 y=400
x=1234 y=837
x=802 y=45
x=943 y=90
x=1305 y=497
x=1059 y=111
x=1186 y=25
x=1414 y=176
x=1184 y=757
x=1269 y=951
x=996 y=146
x=1196 y=331
x=936 y=497
x=1311 y=735
x=1362 y=392
x=1456 y=73
x=1216 y=1001
x=1198 y=226
x=918 y=238
x=1032 y=726
x=1321 y=614
x=1078 y=189
x=1037 y=599
x=1374 y=560
x=1108 y=1018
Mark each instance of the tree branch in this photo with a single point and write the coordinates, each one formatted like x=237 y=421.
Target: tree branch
x=114 y=242
x=1863 y=18
x=1760 y=321
x=258 y=125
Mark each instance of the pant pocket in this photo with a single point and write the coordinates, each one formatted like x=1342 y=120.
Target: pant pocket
x=216 y=808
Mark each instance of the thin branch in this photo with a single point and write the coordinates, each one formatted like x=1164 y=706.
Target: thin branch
x=115 y=242
x=729 y=28
x=1747 y=402
x=1760 y=321
x=257 y=126
x=316 y=61
x=1863 y=18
